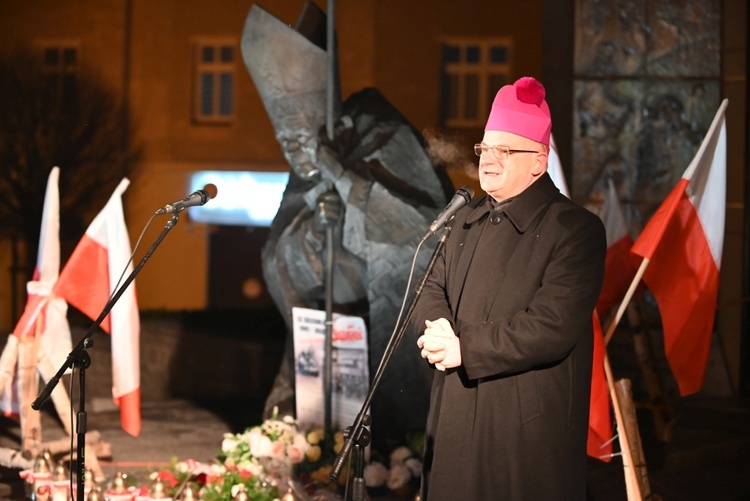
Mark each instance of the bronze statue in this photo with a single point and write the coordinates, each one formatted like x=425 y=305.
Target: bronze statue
x=374 y=181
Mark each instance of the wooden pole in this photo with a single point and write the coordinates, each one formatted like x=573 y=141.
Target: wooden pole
x=631 y=480
x=8 y=363
x=625 y=397
x=626 y=300
x=31 y=421
x=28 y=361
x=59 y=396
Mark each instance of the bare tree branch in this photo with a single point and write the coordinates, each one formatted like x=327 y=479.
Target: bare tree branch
x=68 y=120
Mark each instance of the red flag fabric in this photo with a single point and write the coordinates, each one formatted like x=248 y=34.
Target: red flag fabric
x=599 y=443
x=618 y=268
x=44 y=313
x=90 y=277
x=683 y=241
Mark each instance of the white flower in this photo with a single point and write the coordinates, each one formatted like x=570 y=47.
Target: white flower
x=261 y=446
x=415 y=466
x=252 y=432
x=237 y=488
x=301 y=443
x=215 y=469
x=375 y=474
x=398 y=476
x=399 y=455
x=229 y=443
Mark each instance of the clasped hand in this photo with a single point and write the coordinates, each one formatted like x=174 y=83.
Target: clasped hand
x=440 y=345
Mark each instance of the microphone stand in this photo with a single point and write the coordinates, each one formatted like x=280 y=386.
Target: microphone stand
x=327 y=215
x=328 y=375
x=80 y=358
x=355 y=433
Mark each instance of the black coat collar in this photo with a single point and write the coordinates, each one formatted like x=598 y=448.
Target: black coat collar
x=523 y=209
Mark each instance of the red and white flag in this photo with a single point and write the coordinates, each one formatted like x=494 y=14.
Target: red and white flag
x=683 y=242
x=554 y=168
x=44 y=314
x=599 y=443
x=90 y=277
x=619 y=270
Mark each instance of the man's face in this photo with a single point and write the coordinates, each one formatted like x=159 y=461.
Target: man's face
x=505 y=178
x=300 y=148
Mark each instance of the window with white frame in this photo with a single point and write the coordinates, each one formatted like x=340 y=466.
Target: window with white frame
x=214 y=80
x=473 y=71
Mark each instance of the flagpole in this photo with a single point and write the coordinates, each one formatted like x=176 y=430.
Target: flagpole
x=626 y=300
x=631 y=480
x=706 y=139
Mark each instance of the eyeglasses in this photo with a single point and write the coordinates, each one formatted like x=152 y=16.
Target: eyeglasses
x=499 y=152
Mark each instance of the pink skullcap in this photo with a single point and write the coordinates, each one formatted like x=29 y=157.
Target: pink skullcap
x=521 y=109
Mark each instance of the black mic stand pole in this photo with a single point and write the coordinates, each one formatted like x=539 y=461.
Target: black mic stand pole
x=327 y=215
x=355 y=433
x=80 y=358
x=328 y=376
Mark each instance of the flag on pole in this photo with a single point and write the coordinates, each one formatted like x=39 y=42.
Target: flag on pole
x=599 y=443
x=90 y=277
x=619 y=270
x=554 y=167
x=683 y=242
x=45 y=314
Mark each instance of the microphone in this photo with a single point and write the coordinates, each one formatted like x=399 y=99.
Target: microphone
x=460 y=199
x=199 y=197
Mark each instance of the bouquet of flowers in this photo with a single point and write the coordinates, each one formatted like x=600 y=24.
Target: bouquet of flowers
x=212 y=481
x=275 y=444
x=266 y=460
x=258 y=461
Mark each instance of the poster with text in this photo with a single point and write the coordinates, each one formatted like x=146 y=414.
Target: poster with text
x=349 y=372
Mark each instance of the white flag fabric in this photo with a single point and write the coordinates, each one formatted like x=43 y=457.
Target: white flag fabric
x=554 y=167
x=618 y=267
x=45 y=314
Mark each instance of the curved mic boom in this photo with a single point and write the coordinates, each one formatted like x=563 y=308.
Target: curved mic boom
x=199 y=197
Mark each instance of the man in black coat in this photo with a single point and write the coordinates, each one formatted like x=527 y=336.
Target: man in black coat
x=505 y=318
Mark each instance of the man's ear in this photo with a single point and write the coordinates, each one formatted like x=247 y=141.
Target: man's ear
x=540 y=165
